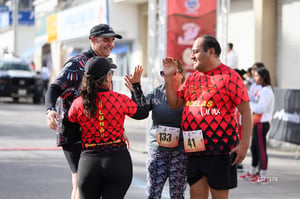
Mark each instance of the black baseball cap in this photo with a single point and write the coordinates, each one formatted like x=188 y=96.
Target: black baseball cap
x=98 y=67
x=103 y=30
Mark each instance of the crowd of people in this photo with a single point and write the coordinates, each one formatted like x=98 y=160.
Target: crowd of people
x=196 y=137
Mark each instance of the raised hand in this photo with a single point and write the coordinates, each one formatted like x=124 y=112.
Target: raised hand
x=127 y=83
x=169 y=66
x=135 y=78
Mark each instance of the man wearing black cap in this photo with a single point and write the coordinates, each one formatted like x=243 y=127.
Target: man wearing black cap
x=65 y=89
x=102 y=39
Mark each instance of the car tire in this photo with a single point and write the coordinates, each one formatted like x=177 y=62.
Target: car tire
x=15 y=99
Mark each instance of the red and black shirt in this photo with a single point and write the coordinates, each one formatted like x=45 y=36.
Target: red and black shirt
x=211 y=99
x=104 y=132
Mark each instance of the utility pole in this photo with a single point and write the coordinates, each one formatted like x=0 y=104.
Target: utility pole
x=15 y=25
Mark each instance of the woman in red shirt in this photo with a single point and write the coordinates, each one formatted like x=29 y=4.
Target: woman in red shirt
x=105 y=165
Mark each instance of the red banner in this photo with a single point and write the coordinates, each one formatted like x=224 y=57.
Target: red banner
x=187 y=20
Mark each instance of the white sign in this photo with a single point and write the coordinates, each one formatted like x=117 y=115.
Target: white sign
x=77 y=21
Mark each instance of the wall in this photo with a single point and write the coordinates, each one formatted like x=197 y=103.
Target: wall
x=25 y=36
x=288 y=44
x=241 y=31
x=25 y=39
x=124 y=18
x=6 y=40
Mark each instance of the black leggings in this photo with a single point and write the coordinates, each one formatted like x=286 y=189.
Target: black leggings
x=259 y=145
x=108 y=176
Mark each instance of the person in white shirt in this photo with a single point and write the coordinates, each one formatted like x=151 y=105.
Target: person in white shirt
x=232 y=59
x=262 y=108
x=254 y=88
x=45 y=76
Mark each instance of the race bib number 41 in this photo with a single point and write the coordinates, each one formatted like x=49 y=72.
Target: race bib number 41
x=167 y=136
x=193 y=141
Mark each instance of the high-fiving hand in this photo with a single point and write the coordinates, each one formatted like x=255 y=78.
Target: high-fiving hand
x=169 y=66
x=135 y=78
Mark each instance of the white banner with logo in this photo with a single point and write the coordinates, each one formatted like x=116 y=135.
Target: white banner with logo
x=77 y=21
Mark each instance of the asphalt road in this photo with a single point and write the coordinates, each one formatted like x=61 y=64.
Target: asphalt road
x=31 y=167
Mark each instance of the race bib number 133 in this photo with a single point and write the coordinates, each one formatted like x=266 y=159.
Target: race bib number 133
x=193 y=141
x=167 y=136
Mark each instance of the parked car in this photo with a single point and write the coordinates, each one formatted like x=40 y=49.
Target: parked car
x=17 y=79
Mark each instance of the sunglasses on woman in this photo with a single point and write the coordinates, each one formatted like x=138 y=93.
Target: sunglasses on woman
x=163 y=74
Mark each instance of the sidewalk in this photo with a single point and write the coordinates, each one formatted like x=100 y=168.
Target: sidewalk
x=283 y=169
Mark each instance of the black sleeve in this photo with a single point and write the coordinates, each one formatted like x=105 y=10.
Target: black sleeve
x=139 y=98
x=141 y=113
x=133 y=97
x=52 y=94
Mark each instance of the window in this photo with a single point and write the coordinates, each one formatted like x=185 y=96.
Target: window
x=25 y=5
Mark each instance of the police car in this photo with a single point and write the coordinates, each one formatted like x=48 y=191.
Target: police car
x=17 y=79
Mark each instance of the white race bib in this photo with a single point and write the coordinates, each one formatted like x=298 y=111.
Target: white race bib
x=167 y=136
x=193 y=141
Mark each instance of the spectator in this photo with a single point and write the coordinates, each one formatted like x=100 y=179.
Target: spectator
x=248 y=78
x=254 y=88
x=263 y=109
x=32 y=66
x=45 y=77
x=231 y=59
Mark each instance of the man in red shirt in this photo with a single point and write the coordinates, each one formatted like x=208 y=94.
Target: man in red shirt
x=211 y=95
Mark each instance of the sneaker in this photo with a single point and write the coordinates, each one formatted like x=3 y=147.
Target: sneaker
x=248 y=176
x=260 y=180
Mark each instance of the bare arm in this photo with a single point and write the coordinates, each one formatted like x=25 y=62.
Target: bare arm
x=247 y=125
x=170 y=67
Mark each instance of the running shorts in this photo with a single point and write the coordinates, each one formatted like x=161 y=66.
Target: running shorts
x=72 y=153
x=216 y=168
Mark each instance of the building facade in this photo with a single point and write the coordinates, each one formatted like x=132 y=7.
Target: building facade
x=261 y=31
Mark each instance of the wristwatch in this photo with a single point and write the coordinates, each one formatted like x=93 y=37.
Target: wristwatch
x=50 y=109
